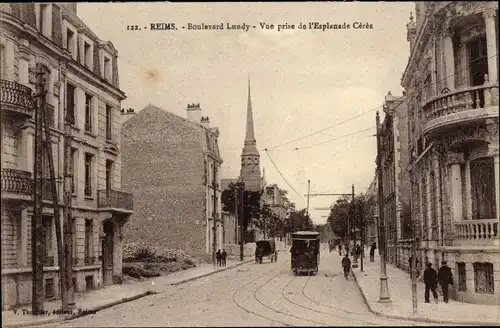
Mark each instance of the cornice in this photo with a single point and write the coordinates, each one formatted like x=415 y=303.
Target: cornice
x=51 y=49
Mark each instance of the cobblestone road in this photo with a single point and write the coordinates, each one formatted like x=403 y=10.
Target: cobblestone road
x=250 y=295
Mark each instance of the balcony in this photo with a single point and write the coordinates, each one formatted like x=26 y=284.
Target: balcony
x=90 y=260
x=16 y=183
x=460 y=108
x=115 y=200
x=479 y=232
x=16 y=98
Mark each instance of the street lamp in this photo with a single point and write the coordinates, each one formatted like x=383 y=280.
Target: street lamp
x=384 y=287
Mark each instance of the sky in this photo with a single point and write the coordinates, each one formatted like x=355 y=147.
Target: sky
x=302 y=81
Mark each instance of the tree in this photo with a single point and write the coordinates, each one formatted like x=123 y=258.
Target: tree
x=300 y=221
x=251 y=204
x=343 y=215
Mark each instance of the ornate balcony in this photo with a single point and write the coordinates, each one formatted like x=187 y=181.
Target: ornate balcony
x=460 y=107
x=477 y=231
x=16 y=98
x=16 y=182
x=115 y=200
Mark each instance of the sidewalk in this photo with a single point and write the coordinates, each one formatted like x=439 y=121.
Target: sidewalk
x=401 y=306
x=96 y=300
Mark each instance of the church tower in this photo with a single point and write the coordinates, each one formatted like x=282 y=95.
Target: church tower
x=250 y=158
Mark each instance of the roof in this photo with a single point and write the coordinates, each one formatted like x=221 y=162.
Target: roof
x=207 y=139
x=306 y=233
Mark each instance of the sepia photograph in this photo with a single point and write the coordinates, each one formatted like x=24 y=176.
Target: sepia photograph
x=249 y=164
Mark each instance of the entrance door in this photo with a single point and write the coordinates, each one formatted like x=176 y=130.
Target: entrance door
x=107 y=253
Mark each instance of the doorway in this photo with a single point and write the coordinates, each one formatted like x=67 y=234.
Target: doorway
x=107 y=253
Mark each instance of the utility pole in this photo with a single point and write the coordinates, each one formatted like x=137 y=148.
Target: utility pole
x=236 y=216
x=68 y=198
x=47 y=149
x=362 y=228
x=308 y=192
x=37 y=230
x=242 y=218
x=353 y=247
x=384 y=288
x=214 y=214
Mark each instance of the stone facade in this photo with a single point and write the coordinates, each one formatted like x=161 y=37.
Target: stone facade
x=276 y=199
x=82 y=77
x=371 y=215
x=452 y=84
x=396 y=182
x=173 y=164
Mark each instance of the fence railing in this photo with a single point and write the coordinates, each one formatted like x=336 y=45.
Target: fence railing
x=16 y=181
x=477 y=230
x=16 y=97
x=115 y=199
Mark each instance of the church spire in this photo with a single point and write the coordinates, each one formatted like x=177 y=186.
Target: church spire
x=250 y=131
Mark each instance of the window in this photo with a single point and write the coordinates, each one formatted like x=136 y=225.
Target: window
x=88 y=174
x=107 y=69
x=44 y=15
x=89 y=242
x=109 y=175
x=462 y=277
x=483 y=278
x=433 y=205
x=47 y=244
x=70 y=41
x=49 y=288
x=108 y=122
x=88 y=113
x=478 y=60
x=2 y=63
x=70 y=103
x=73 y=170
x=482 y=176
x=74 y=241
x=87 y=55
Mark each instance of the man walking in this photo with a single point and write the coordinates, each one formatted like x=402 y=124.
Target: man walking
x=372 y=252
x=224 y=257
x=445 y=278
x=430 y=281
x=346 y=265
x=218 y=255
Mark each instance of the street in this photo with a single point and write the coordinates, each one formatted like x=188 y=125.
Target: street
x=250 y=295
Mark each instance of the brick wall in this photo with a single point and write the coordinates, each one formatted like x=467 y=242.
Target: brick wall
x=162 y=164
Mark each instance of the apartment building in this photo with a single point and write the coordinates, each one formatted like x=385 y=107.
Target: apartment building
x=81 y=74
x=173 y=165
x=451 y=80
x=395 y=177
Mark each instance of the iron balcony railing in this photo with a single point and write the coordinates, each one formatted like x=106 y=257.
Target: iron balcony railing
x=115 y=199
x=90 y=260
x=16 y=97
x=16 y=181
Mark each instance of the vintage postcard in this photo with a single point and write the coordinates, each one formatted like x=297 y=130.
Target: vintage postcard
x=247 y=164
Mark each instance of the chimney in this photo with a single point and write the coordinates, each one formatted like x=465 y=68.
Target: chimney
x=194 y=112
x=205 y=121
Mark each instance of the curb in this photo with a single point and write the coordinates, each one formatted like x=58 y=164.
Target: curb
x=210 y=273
x=418 y=317
x=78 y=315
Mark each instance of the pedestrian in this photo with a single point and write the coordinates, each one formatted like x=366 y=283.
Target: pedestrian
x=224 y=257
x=358 y=251
x=430 y=281
x=218 y=255
x=340 y=249
x=372 y=252
x=346 y=265
x=445 y=278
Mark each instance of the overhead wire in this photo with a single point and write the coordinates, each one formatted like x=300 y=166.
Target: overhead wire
x=381 y=106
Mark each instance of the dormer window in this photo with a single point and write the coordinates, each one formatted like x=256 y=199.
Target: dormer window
x=107 y=69
x=70 y=41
